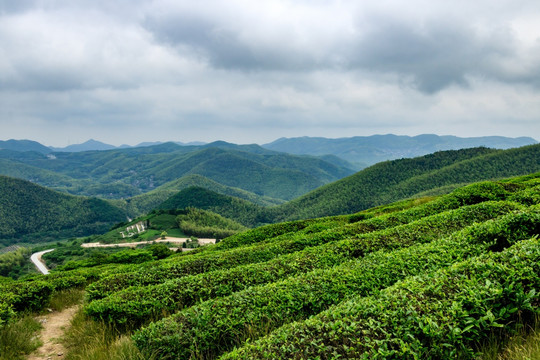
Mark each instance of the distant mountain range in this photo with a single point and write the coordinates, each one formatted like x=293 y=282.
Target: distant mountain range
x=123 y=173
x=380 y=184
x=24 y=145
x=363 y=151
x=94 y=145
x=247 y=186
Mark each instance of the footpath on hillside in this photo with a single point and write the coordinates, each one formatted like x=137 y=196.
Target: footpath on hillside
x=54 y=326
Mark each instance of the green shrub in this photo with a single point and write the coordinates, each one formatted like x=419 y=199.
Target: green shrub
x=267 y=250
x=439 y=316
x=136 y=305
x=257 y=310
x=27 y=295
x=6 y=308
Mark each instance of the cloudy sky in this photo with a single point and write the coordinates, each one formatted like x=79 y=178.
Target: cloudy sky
x=128 y=71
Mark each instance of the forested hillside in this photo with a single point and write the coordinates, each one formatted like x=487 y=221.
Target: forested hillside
x=240 y=210
x=144 y=203
x=33 y=213
x=433 y=278
x=123 y=173
x=399 y=179
x=380 y=184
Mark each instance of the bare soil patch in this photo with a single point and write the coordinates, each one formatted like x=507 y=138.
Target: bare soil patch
x=54 y=326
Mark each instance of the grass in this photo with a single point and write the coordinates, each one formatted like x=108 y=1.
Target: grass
x=63 y=299
x=525 y=345
x=90 y=340
x=176 y=233
x=19 y=338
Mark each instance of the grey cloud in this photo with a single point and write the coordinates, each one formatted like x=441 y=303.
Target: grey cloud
x=10 y=6
x=434 y=55
x=429 y=56
x=223 y=46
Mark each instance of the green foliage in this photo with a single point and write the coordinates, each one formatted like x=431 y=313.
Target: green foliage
x=26 y=295
x=11 y=263
x=254 y=171
x=394 y=180
x=32 y=212
x=267 y=250
x=129 y=256
x=136 y=305
x=269 y=231
x=159 y=251
x=162 y=221
x=244 y=212
x=380 y=184
x=202 y=223
x=437 y=316
x=257 y=310
x=69 y=257
x=391 y=266
x=19 y=339
x=144 y=203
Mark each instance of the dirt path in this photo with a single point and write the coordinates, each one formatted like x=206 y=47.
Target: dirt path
x=54 y=325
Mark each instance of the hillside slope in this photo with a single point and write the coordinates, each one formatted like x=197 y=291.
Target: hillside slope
x=428 y=278
x=33 y=213
x=240 y=210
x=144 y=203
x=399 y=179
x=121 y=173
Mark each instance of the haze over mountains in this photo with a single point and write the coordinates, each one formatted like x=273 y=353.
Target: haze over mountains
x=368 y=150
x=202 y=178
x=360 y=151
x=264 y=175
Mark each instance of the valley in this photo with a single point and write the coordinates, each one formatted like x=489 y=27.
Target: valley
x=399 y=255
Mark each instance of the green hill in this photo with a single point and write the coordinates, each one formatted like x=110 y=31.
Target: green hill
x=122 y=173
x=400 y=179
x=240 y=210
x=433 y=278
x=33 y=213
x=383 y=183
x=144 y=203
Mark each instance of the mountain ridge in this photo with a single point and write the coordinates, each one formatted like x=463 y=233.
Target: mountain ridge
x=369 y=150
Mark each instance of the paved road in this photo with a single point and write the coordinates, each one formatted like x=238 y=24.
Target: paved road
x=134 y=244
x=36 y=259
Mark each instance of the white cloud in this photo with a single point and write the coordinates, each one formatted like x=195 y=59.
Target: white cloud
x=248 y=71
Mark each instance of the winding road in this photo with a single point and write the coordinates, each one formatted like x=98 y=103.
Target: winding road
x=40 y=265
x=36 y=259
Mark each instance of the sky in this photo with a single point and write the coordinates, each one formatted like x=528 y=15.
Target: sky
x=130 y=71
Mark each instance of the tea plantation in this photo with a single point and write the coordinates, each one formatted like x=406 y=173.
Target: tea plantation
x=429 y=278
